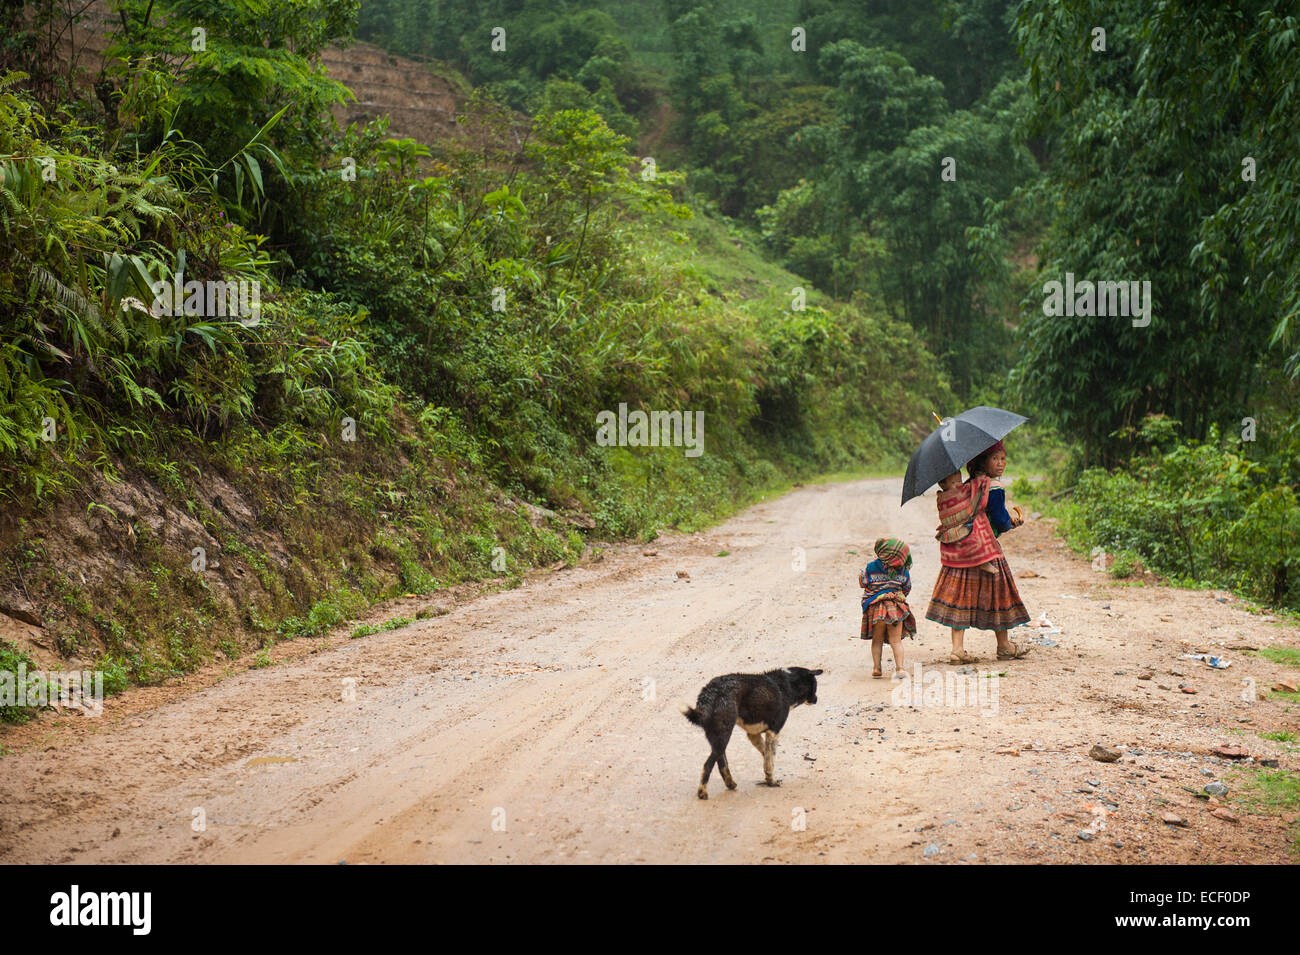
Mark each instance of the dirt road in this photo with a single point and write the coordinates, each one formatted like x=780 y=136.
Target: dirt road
x=542 y=724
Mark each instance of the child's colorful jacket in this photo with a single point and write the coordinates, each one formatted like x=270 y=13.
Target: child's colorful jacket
x=881 y=583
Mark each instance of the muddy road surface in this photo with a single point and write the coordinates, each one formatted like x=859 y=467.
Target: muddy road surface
x=542 y=724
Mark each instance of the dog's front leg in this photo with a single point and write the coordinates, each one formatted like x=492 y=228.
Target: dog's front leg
x=769 y=758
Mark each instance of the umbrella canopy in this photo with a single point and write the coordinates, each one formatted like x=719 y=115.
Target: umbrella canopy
x=956 y=441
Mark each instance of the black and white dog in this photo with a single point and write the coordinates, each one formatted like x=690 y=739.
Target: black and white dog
x=759 y=703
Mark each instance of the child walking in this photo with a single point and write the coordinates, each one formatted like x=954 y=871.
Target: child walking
x=885 y=613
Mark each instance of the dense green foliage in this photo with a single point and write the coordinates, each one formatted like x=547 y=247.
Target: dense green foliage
x=535 y=54
x=589 y=322
x=826 y=123
x=1146 y=181
x=84 y=347
x=866 y=148
x=1170 y=149
x=1202 y=513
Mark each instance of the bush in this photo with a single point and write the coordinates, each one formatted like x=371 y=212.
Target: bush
x=1199 y=512
x=10 y=659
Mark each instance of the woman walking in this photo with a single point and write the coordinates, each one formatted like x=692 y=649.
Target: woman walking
x=978 y=590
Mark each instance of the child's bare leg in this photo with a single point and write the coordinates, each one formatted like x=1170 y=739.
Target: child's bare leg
x=1003 y=642
x=877 y=648
x=896 y=644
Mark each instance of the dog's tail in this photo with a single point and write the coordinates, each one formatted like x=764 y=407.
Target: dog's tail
x=692 y=714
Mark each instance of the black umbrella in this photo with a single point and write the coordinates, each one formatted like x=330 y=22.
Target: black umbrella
x=955 y=442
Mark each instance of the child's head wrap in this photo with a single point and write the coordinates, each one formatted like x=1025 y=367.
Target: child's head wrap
x=893 y=553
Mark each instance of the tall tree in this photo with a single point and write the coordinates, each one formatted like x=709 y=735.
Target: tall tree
x=1133 y=189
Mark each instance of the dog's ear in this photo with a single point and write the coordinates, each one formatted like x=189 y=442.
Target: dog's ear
x=817 y=672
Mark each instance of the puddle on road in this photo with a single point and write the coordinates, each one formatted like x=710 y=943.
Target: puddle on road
x=269 y=760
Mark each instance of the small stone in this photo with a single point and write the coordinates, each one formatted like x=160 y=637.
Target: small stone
x=1230 y=752
x=1287 y=686
x=1102 y=754
x=1176 y=673
x=930 y=850
x=1206 y=772
x=1225 y=815
x=649 y=553
x=1094 y=782
x=1173 y=819
x=1187 y=689
x=1216 y=789
x=1270 y=763
x=1085 y=835
x=683 y=575
x=1146 y=676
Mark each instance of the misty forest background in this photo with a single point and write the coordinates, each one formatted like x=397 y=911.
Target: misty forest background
x=775 y=169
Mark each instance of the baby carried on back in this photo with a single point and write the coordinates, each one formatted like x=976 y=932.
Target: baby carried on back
x=965 y=536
